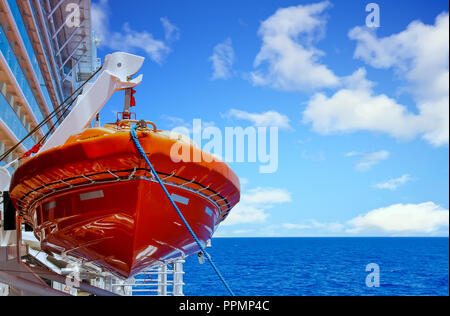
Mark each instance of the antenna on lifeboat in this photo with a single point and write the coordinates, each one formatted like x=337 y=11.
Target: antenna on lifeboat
x=97 y=120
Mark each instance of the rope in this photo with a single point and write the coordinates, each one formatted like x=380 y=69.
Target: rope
x=142 y=152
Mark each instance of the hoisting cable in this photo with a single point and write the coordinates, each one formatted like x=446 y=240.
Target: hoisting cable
x=38 y=145
x=35 y=149
x=142 y=152
x=60 y=118
x=60 y=108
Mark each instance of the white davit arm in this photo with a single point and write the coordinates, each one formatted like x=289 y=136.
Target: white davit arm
x=115 y=76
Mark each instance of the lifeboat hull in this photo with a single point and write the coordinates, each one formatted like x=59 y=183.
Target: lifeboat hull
x=95 y=198
x=124 y=226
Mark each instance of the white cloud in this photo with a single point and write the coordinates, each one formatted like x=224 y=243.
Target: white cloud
x=242 y=232
x=246 y=214
x=353 y=154
x=265 y=119
x=316 y=226
x=184 y=127
x=356 y=108
x=288 y=59
x=255 y=203
x=171 y=32
x=402 y=219
x=368 y=160
x=266 y=196
x=222 y=60
x=128 y=39
x=419 y=53
x=296 y=226
x=425 y=219
x=314 y=156
x=244 y=182
x=420 y=56
x=100 y=19
x=393 y=184
x=175 y=121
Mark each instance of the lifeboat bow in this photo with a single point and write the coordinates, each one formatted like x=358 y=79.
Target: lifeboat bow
x=91 y=194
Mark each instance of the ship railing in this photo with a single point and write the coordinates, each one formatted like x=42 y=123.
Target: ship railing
x=163 y=280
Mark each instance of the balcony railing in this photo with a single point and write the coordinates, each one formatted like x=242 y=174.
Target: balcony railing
x=14 y=65
x=29 y=48
x=9 y=117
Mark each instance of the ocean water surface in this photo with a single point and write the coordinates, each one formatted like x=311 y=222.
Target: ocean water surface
x=322 y=266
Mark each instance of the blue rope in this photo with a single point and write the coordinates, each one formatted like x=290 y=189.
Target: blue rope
x=143 y=154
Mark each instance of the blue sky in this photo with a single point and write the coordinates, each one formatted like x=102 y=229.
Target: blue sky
x=363 y=113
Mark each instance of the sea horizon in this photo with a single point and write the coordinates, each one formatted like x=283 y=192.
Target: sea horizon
x=323 y=266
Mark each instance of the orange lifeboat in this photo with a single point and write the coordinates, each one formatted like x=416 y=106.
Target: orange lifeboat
x=95 y=198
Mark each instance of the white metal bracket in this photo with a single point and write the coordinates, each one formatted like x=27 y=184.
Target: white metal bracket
x=116 y=75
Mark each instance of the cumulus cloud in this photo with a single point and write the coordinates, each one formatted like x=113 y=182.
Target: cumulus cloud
x=357 y=107
x=242 y=232
x=402 y=219
x=222 y=60
x=266 y=196
x=424 y=219
x=368 y=160
x=313 y=156
x=316 y=226
x=265 y=119
x=288 y=59
x=393 y=184
x=295 y=226
x=254 y=205
x=171 y=32
x=419 y=55
x=180 y=125
x=100 y=19
x=131 y=40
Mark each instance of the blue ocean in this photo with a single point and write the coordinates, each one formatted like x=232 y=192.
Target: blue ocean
x=322 y=267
